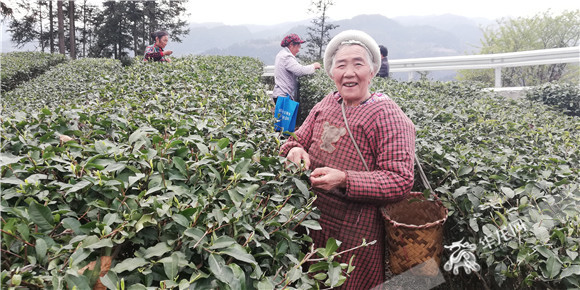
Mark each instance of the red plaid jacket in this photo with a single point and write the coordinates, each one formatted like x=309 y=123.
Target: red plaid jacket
x=155 y=53
x=386 y=138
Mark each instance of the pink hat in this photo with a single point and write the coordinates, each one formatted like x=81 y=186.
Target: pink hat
x=289 y=39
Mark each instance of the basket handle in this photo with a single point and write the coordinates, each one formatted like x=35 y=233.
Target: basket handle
x=424 y=177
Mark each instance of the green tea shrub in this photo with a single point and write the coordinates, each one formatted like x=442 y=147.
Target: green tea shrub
x=75 y=82
x=507 y=170
x=167 y=177
x=562 y=96
x=313 y=88
x=19 y=67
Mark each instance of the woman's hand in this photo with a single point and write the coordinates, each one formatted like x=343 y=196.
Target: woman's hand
x=167 y=52
x=296 y=155
x=327 y=179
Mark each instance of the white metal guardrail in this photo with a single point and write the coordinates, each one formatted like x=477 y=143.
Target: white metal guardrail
x=268 y=71
x=482 y=61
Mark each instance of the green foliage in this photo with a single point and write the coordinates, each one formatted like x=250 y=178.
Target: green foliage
x=500 y=163
x=111 y=29
x=564 y=97
x=313 y=88
x=507 y=170
x=19 y=67
x=126 y=26
x=80 y=82
x=542 y=31
x=170 y=170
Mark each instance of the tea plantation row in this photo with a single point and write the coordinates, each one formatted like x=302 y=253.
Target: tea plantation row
x=19 y=67
x=502 y=163
x=172 y=180
x=508 y=171
x=153 y=175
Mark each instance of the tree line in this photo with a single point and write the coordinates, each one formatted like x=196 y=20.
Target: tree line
x=319 y=31
x=542 y=31
x=118 y=28
x=114 y=29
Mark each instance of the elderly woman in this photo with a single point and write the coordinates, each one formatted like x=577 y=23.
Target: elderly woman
x=360 y=146
x=156 y=51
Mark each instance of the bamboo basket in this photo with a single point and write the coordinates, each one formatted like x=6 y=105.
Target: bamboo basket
x=414 y=229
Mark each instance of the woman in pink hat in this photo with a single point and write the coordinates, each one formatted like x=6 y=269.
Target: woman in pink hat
x=287 y=69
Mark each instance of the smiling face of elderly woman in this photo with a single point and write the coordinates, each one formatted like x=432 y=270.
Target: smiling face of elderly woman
x=352 y=72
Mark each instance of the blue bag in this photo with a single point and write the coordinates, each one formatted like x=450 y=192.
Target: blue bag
x=286 y=113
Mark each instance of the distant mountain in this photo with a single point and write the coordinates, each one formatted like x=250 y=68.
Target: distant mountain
x=213 y=37
x=405 y=37
x=468 y=30
x=405 y=41
x=203 y=38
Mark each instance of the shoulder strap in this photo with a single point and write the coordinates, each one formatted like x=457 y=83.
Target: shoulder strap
x=417 y=161
x=352 y=137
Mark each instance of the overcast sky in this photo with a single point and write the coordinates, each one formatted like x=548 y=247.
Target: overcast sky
x=268 y=12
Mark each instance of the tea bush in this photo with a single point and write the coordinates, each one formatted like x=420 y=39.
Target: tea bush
x=74 y=82
x=168 y=176
x=564 y=97
x=500 y=163
x=508 y=171
x=154 y=176
x=313 y=88
x=19 y=67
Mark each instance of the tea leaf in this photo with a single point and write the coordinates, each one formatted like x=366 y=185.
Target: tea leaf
x=553 y=267
x=331 y=247
x=6 y=159
x=569 y=271
x=156 y=251
x=541 y=234
x=509 y=193
x=216 y=265
x=41 y=249
x=180 y=165
x=311 y=224
x=129 y=265
x=222 y=242
x=171 y=268
x=144 y=221
x=78 y=186
x=41 y=216
x=104 y=243
x=223 y=143
x=239 y=253
x=301 y=185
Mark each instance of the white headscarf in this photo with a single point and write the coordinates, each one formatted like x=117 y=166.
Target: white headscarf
x=354 y=37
